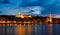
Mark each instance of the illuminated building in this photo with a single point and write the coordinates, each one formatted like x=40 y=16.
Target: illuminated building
x=50 y=17
x=19 y=15
x=26 y=18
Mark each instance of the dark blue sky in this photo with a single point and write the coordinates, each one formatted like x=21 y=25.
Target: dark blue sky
x=34 y=7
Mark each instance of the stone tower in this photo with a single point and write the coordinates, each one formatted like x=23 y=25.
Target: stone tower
x=50 y=18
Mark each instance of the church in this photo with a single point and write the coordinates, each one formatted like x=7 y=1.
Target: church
x=19 y=15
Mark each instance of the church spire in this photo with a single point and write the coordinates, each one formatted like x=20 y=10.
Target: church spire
x=50 y=17
x=19 y=15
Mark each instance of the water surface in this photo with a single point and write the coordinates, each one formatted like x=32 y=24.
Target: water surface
x=30 y=29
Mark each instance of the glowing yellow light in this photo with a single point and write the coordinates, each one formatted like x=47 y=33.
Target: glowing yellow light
x=50 y=18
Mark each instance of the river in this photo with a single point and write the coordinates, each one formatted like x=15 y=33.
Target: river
x=30 y=29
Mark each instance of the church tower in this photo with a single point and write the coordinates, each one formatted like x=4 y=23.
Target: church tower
x=50 y=18
x=19 y=15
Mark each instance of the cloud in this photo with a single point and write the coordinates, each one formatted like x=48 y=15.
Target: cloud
x=16 y=2
x=57 y=16
x=49 y=2
x=36 y=9
x=25 y=6
x=7 y=9
x=31 y=1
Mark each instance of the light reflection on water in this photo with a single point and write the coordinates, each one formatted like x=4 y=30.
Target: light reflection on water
x=30 y=29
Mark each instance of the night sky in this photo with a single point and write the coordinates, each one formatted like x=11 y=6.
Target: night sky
x=33 y=7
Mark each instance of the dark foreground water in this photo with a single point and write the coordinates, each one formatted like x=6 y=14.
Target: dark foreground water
x=30 y=29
